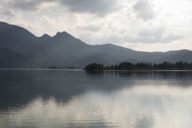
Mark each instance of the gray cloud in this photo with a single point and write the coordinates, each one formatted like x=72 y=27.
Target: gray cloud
x=7 y=13
x=154 y=36
x=144 y=10
x=100 y=7
x=91 y=28
x=28 y=4
x=172 y=37
x=144 y=123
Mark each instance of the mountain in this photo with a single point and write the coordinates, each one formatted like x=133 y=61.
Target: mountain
x=11 y=59
x=21 y=48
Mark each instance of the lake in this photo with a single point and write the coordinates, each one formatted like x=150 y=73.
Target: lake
x=76 y=99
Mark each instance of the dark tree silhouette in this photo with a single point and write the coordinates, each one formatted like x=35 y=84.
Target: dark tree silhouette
x=94 y=67
x=141 y=66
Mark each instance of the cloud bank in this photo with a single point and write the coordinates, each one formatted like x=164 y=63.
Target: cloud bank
x=90 y=6
x=144 y=10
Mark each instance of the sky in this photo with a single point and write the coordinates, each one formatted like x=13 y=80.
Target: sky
x=145 y=25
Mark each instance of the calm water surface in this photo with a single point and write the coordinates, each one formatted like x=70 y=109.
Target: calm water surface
x=76 y=99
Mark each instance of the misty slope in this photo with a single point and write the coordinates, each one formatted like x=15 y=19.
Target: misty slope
x=17 y=39
x=10 y=59
x=63 y=50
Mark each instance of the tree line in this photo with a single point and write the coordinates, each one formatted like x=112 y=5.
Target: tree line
x=140 y=66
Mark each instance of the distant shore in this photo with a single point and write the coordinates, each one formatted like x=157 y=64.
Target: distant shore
x=126 y=66
x=66 y=69
x=80 y=69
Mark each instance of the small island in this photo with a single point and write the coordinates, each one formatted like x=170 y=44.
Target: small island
x=140 y=66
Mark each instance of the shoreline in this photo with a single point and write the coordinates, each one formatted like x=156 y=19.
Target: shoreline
x=60 y=69
x=37 y=69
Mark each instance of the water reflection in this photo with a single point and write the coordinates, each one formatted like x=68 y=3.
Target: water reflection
x=62 y=99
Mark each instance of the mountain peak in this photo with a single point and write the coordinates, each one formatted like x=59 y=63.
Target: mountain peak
x=45 y=36
x=63 y=35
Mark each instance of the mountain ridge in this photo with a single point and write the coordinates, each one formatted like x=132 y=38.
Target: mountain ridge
x=64 y=50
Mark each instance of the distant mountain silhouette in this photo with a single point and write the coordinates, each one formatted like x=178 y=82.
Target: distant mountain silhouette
x=11 y=59
x=21 y=48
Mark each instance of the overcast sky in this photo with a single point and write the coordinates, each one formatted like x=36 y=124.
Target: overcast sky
x=147 y=25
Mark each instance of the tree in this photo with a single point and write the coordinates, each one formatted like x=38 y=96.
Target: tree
x=94 y=67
